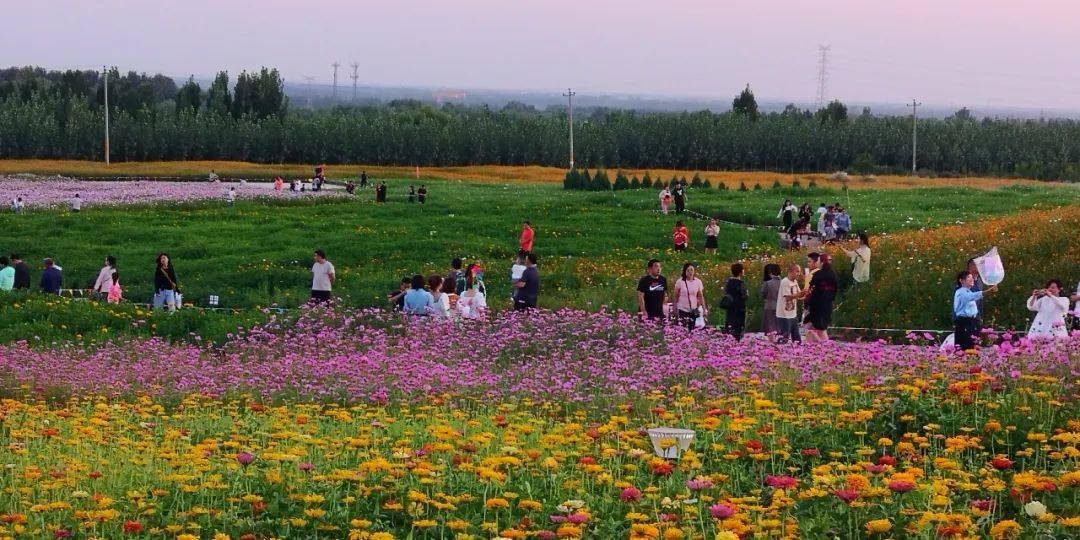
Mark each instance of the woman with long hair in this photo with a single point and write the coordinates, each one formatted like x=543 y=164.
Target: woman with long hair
x=1050 y=309
x=787 y=213
x=441 y=300
x=473 y=301
x=689 y=297
x=712 y=231
x=819 y=302
x=165 y=283
x=104 y=279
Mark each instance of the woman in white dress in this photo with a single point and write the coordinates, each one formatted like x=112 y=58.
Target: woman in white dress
x=473 y=302
x=1050 y=309
x=441 y=309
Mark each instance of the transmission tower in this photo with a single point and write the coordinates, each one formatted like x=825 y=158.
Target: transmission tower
x=336 y=65
x=309 y=80
x=914 y=134
x=823 y=75
x=355 y=76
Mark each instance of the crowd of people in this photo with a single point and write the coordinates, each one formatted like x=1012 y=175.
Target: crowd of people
x=833 y=223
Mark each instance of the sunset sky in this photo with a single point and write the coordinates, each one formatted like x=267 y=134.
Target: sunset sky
x=943 y=52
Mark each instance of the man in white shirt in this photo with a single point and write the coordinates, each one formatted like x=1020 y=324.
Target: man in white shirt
x=821 y=211
x=230 y=195
x=76 y=203
x=322 y=277
x=787 y=312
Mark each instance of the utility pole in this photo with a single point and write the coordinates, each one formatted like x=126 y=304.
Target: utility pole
x=103 y=70
x=823 y=75
x=335 y=64
x=355 y=76
x=914 y=133
x=570 y=93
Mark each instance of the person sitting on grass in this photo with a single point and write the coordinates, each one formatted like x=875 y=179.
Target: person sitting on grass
x=418 y=301
x=51 y=278
x=7 y=275
x=397 y=298
x=441 y=306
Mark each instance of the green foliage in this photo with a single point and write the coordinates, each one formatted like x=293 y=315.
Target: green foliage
x=835 y=112
x=219 y=98
x=189 y=97
x=646 y=181
x=757 y=186
x=745 y=105
x=776 y=184
x=721 y=186
x=600 y=181
x=795 y=184
x=621 y=182
x=635 y=183
x=706 y=184
x=742 y=186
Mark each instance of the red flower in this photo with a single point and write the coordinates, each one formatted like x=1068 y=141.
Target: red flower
x=1001 y=463
x=901 y=486
x=983 y=504
x=95 y=475
x=62 y=533
x=847 y=495
x=781 y=482
x=133 y=527
x=587 y=460
x=875 y=469
x=662 y=468
x=810 y=452
x=886 y=460
x=630 y=494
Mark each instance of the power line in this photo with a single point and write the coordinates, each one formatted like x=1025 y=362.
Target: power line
x=914 y=132
x=570 y=101
x=355 y=76
x=335 y=64
x=823 y=74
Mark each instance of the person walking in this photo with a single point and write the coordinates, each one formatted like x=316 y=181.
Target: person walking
x=421 y=194
x=805 y=212
x=22 y=272
x=769 y=291
x=819 y=302
x=860 y=259
x=418 y=301
x=665 y=200
x=322 y=277
x=412 y=194
x=525 y=239
x=787 y=213
x=679 y=193
x=440 y=300
x=165 y=283
x=104 y=278
x=528 y=286
x=380 y=192
x=7 y=274
x=787 y=314
x=1050 y=308
x=652 y=292
x=51 y=278
x=966 y=309
x=680 y=236
x=115 y=294
x=363 y=179
x=734 y=302
x=821 y=211
x=712 y=231
x=689 y=298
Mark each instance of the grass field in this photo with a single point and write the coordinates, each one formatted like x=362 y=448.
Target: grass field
x=592 y=245
x=475 y=173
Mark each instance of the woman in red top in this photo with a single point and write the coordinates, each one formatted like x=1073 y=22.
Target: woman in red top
x=526 y=238
x=680 y=236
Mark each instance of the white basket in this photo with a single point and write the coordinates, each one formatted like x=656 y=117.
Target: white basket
x=682 y=437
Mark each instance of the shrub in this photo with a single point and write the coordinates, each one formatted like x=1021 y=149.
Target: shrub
x=795 y=184
x=696 y=182
x=635 y=183
x=812 y=184
x=757 y=186
x=621 y=182
x=647 y=181
x=601 y=182
x=742 y=186
x=706 y=184
x=776 y=184
x=721 y=186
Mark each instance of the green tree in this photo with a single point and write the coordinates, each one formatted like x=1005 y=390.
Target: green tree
x=189 y=97
x=745 y=104
x=218 y=97
x=835 y=112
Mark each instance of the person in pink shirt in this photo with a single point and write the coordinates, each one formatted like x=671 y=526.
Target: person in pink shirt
x=526 y=238
x=279 y=184
x=689 y=297
x=115 y=292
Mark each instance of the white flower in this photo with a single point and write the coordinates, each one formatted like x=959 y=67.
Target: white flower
x=1035 y=509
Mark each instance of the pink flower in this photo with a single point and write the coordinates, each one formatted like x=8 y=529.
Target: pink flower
x=630 y=494
x=847 y=495
x=721 y=511
x=244 y=458
x=698 y=484
x=781 y=482
x=577 y=518
x=307 y=466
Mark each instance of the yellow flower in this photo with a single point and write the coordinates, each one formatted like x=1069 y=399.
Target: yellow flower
x=497 y=503
x=878 y=526
x=1005 y=529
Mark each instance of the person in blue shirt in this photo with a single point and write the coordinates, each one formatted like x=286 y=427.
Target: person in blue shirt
x=50 y=278
x=417 y=300
x=966 y=309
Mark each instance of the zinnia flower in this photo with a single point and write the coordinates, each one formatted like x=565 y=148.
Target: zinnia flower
x=244 y=458
x=630 y=494
x=721 y=511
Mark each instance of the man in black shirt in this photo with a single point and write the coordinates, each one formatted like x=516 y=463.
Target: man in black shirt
x=652 y=292
x=22 y=272
x=528 y=286
x=735 y=288
x=397 y=298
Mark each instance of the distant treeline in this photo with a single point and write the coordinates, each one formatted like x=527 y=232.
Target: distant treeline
x=60 y=115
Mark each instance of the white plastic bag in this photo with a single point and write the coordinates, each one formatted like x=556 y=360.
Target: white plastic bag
x=179 y=300
x=949 y=343
x=699 y=322
x=991 y=271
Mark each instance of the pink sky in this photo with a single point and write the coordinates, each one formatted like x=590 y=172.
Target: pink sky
x=975 y=53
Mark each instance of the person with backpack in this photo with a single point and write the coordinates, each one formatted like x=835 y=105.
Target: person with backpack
x=454 y=278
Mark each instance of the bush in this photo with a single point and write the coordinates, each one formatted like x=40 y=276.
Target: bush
x=621 y=182
x=742 y=186
x=696 y=182
x=721 y=186
x=795 y=184
x=776 y=184
x=812 y=184
x=757 y=186
x=706 y=184
x=600 y=181
x=647 y=182
x=635 y=183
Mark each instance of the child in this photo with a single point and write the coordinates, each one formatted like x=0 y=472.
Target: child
x=516 y=271
x=115 y=292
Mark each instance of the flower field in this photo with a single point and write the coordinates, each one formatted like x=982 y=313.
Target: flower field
x=338 y=423
x=52 y=192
